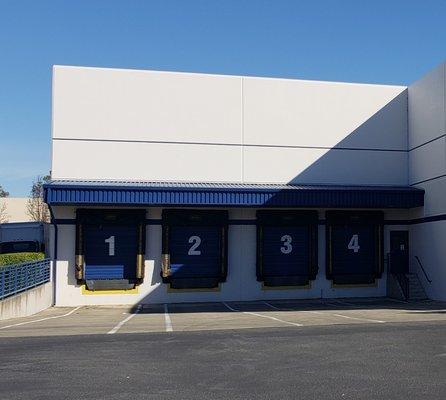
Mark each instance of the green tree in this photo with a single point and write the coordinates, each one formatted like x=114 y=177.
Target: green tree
x=3 y=192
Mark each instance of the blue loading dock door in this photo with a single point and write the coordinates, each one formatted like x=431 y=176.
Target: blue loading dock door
x=286 y=247
x=354 y=247
x=110 y=251
x=194 y=243
x=110 y=248
x=195 y=251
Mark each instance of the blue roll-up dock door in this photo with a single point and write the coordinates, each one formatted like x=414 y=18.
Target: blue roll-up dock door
x=286 y=247
x=354 y=247
x=194 y=248
x=110 y=251
x=110 y=246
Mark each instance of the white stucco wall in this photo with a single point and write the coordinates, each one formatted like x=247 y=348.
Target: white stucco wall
x=427 y=162
x=241 y=282
x=163 y=126
x=148 y=125
x=27 y=303
x=16 y=209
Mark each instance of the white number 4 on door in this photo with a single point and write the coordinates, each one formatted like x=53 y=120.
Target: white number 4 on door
x=354 y=244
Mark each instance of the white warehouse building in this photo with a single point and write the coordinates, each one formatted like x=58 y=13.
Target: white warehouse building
x=180 y=187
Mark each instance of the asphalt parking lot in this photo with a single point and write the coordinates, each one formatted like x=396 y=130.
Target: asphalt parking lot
x=220 y=316
x=337 y=349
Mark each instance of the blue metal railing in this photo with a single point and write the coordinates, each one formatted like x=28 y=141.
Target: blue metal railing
x=17 y=278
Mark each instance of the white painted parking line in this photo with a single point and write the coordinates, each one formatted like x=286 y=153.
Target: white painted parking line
x=326 y=313
x=229 y=307
x=294 y=309
x=359 y=318
x=167 y=319
x=291 y=309
x=274 y=307
x=351 y=305
x=41 y=319
x=343 y=303
x=396 y=300
x=350 y=317
x=260 y=315
x=120 y=324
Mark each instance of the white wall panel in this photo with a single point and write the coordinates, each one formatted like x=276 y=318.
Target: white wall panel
x=123 y=109
x=97 y=103
x=298 y=165
x=146 y=161
x=427 y=121
x=296 y=116
x=327 y=114
x=434 y=198
x=427 y=114
x=428 y=161
x=427 y=241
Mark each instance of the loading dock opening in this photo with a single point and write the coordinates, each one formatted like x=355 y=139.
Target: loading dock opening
x=286 y=247
x=354 y=247
x=110 y=247
x=194 y=248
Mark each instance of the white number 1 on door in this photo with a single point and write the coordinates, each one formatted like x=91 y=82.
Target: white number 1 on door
x=111 y=245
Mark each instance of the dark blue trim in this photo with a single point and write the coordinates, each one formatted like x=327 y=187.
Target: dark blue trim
x=397 y=222
x=55 y=223
x=416 y=221
x=65 y=221
x=153 y=221
x=245 y=222
x=230 y=195
x=433 y=218
x=253 y=222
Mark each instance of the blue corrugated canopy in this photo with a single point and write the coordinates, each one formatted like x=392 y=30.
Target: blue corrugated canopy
x=128 y=193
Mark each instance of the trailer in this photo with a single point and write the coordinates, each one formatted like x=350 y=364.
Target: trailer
x=14 y=234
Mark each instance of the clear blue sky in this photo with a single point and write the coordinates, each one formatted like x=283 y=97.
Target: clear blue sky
x=391 y=42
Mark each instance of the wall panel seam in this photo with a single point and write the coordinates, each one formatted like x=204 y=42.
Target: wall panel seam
x=428 y=180
x=235 y=145
x=428 y=142
x=242 y=114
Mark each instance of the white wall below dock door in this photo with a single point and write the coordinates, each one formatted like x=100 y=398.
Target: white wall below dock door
x=241 y=283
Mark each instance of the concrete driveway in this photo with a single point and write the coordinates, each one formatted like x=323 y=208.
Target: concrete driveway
x=298 y=314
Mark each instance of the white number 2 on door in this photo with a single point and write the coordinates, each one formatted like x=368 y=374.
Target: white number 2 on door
x=196 y=240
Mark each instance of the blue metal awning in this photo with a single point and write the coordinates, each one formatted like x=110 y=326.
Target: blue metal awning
x=127 y=193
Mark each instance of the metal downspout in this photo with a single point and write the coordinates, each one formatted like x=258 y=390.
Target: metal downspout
x=54 y=258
